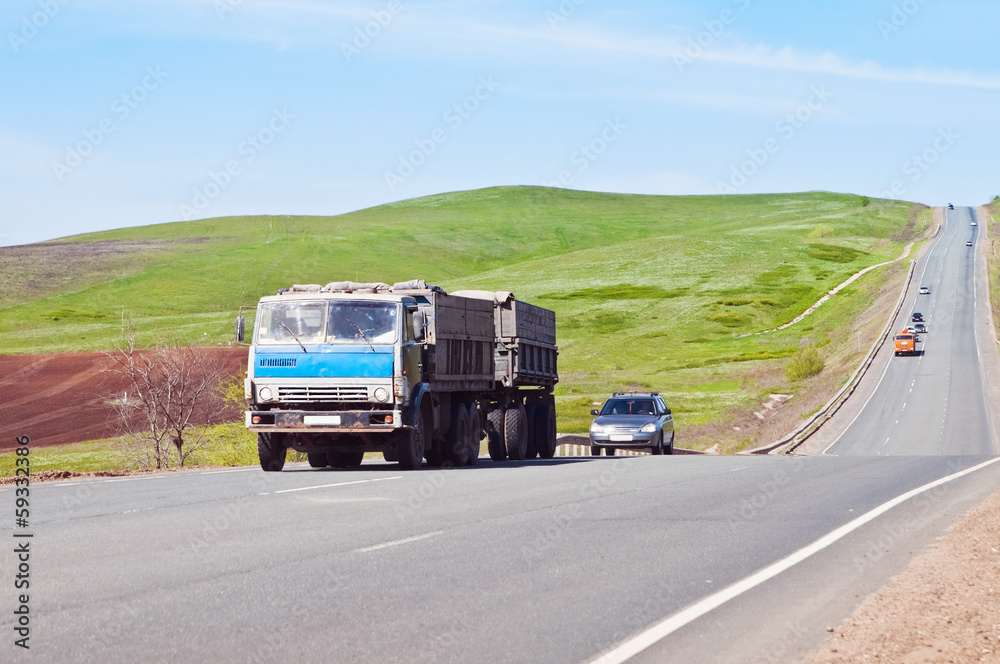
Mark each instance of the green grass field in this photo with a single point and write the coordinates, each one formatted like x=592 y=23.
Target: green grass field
x=650 y=291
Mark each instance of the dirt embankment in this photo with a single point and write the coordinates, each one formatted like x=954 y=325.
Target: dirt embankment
x=65 y=397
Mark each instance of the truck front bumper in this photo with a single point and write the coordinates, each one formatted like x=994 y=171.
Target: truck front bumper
x=313 y=421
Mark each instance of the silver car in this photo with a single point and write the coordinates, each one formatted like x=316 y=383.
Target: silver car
x=630 y=420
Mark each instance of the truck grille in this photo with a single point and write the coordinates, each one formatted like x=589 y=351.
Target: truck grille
x=306 y=393
x=271 y=362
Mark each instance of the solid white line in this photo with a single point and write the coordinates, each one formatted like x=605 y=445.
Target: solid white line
x=130 y=479
x=237 y=470
x=326 y=486
x=670 y=625
x=386 y=545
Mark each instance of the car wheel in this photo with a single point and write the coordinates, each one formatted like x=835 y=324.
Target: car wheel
x=595 y=450
x=670 y=450
x=658 y=448
x=609 y=451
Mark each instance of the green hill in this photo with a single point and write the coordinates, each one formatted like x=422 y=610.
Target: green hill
x=648 y=290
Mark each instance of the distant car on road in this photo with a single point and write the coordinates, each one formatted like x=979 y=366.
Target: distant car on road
x=969 y=243
x=950 y=206
x=917 y=317
x=924 y=290
x=920 y=328
x=630 y=420
x=974 y=224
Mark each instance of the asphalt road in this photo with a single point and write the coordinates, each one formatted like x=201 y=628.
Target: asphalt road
x=933 y=402
x=645 y=559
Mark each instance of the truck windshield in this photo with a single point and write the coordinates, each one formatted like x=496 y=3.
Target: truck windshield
x=291 y=322
x=313 y=322
x=362 y=323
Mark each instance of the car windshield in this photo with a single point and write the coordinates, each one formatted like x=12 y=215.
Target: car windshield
x=313 y=322
x=628 y=407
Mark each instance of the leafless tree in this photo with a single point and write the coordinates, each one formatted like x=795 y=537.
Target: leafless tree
x=169 y=395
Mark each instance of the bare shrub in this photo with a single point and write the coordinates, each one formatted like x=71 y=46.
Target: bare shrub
x=169 y=399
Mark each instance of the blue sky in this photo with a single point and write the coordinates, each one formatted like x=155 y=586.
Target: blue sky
x=130 y=112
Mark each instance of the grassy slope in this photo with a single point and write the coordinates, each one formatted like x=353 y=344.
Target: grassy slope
x=649 y=290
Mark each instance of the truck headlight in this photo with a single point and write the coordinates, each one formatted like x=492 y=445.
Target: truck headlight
x=265 y=394
x=381 y=394
x=649 y=428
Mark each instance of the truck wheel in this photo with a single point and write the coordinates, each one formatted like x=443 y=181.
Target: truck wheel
x=346 y=459
x=456 y=449
x=271 y=450
x=475 y=434
x=318 y=459
x=515 y=431
x=531 y=447
x=410 y=443
x=495 y=434
x=545 y=430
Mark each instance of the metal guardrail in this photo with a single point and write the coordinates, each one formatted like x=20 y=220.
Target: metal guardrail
x=829 y=409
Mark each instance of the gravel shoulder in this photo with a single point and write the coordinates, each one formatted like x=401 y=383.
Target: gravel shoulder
x=944 y=608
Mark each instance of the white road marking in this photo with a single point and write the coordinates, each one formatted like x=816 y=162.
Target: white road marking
x=326 y=486
x=386 y=545
x=666 y=627
x=236 y=470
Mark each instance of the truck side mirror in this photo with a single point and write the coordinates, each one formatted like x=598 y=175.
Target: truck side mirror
x=240 y=328
x=418 y=326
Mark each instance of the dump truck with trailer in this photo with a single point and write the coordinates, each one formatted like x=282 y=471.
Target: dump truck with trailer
x=406 y=370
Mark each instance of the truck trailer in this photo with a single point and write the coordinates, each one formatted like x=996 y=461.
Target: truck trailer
x=407 y=370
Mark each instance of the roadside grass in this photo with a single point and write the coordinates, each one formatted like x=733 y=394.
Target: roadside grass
x=993 y=256
x=650 y=292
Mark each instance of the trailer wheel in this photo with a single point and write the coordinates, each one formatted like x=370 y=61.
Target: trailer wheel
x=495 y=433
x=271 y=450
x=346 y=459
x=410 y=443
x=544 y=426
x=516 y=432
x=456 y=448
x=531 y=412
x=318 y=459
x=475 y=434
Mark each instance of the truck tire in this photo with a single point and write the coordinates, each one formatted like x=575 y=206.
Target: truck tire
x=318 y=459
x=271 y=450
x=410 y=443
x=351 y=459
x=495 y=441
x=530 y=449
x=456 y=449
x=475 y=434
x=545 y=429
x=515 y=430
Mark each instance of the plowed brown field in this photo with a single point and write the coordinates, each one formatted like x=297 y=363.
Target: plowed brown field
x=64 y=397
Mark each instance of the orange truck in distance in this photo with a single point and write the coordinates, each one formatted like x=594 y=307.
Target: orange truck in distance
x=906 y=343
